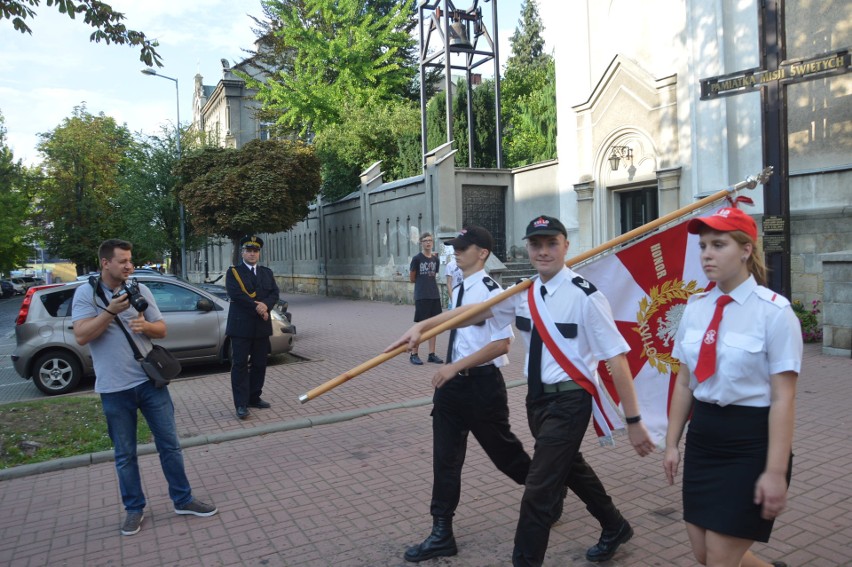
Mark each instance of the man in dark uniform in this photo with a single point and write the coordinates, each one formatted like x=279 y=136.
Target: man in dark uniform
x=470 y=397
x=253 y=294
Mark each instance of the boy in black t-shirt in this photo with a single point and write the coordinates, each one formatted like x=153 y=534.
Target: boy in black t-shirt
x=423 y=273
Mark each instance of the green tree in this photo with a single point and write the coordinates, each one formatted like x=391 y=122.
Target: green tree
x=85 y=160
x=484 y=124
x=436 y=122
x=16 y=234
x=527 y=43
x=321 y=56
x=388 y=132
x=531 y=135
x=98 y=15
x=265 y=186
x=529 y=94
x=147 y=201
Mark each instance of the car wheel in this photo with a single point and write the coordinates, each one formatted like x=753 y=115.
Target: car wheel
x=56 y=373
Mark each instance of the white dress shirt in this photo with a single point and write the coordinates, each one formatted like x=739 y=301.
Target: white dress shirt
x=479 y=287
x=582 y=311
x=759 y=335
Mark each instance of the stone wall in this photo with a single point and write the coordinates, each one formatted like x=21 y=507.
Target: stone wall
x=814 y=233
x=837 y=303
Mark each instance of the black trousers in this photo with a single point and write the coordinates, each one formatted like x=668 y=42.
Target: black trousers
x=247 y=383
x=478 y=405
x=558 y=423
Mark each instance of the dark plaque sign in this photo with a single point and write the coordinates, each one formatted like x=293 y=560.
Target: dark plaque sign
x=789 y=72
x=773 y=224
x=774 y=243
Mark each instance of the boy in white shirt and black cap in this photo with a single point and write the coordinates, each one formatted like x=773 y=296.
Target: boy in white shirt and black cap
x=470 y=396
x=569 y=315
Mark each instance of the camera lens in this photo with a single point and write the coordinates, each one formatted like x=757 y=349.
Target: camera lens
x=139 y=303
x=131 y=288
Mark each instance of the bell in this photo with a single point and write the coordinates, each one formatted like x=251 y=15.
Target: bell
x=458 y=38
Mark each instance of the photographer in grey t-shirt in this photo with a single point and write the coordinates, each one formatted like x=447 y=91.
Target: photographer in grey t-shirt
x=124 y=387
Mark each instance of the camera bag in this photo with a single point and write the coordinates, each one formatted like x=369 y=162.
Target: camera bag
x=159 y=364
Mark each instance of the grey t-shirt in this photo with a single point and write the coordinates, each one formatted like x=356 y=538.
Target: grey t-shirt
x=116 y=369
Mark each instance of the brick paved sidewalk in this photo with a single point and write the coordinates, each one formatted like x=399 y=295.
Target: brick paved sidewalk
x=356 y=492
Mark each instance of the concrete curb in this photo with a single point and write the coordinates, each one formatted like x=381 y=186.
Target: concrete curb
x=199 y=440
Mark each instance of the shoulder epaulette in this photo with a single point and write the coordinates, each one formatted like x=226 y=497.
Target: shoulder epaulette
x=772 y=297
x=585 y=285
x=490 y=284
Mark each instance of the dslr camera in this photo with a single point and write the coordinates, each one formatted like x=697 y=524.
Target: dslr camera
x=131 y=288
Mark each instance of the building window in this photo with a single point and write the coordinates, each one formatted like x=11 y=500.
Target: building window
x=637 y=207
x=264 y=132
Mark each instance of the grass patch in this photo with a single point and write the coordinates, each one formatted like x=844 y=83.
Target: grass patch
x=43 y=430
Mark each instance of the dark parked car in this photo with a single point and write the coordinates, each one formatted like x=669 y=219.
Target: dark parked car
x=6 y=289
x=48 y=352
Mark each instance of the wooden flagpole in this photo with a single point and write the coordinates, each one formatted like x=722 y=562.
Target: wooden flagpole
x=748 y=183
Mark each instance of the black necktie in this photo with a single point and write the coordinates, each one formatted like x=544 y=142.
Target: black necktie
x=534 y=365
x=453 y=332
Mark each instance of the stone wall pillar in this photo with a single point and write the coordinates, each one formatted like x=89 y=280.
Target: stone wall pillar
x=837 y=303
x=443 y=198
x=668 y=186
x=585 y=217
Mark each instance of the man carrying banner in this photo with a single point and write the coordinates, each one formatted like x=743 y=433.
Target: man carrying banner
x=470 y=397
x=565 y=313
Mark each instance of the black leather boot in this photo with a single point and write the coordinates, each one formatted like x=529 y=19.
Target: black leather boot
x=609 y=542
x=440 y=542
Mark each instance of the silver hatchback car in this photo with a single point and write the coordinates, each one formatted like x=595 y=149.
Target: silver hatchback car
x=48 y=353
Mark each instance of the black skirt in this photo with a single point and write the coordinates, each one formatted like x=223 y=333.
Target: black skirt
x=725 y=454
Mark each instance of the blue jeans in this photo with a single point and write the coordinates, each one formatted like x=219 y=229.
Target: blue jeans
x=121 y=415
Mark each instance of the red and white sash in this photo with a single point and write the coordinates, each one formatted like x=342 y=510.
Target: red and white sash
x=605 y=416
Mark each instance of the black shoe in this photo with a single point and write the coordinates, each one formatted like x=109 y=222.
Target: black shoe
x=260 y=404
x=779 y=564
x=415 y=360
x=609 y=542
x=435 y=358
x=242 y=412
x=440 y=542
x=560 y=505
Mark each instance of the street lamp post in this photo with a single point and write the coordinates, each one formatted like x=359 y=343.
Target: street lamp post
x=149 y=71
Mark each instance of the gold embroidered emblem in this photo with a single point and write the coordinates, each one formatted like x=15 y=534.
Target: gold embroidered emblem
x=669 y=300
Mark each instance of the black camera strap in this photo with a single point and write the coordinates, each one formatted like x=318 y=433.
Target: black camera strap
x=136 y=353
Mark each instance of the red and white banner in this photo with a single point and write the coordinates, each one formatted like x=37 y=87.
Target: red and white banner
x=647 y=285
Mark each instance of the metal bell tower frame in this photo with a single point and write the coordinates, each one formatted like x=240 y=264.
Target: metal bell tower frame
x=454 y=50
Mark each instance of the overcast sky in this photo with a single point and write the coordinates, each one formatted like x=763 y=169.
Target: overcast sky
x=45 y=75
